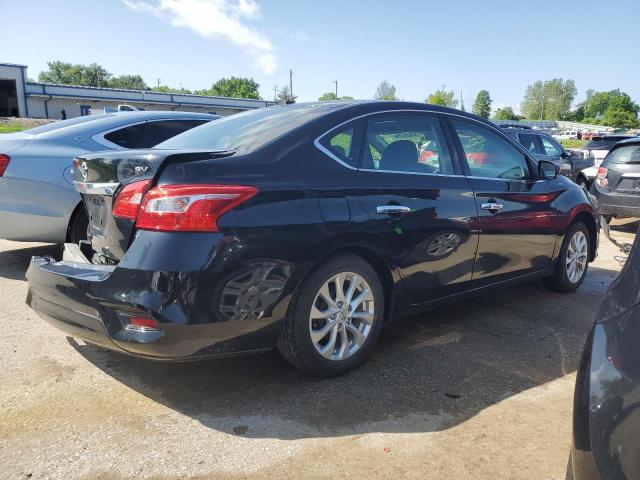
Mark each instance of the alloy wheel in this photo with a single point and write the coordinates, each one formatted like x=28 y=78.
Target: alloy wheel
x=341 y=316
x=576 y=260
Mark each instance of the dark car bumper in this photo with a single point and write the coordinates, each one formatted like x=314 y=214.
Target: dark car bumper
x=606 y=413
x=196 y=315
x=617 y=204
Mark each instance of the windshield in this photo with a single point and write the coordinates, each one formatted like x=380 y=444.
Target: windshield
x=245 y=132
x=628 y=154
x=64 y=123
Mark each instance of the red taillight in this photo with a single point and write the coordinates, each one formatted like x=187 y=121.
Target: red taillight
x=4 y=163
x=189 y=208
x=601 y=177
x=143 y=323
x=128 y=200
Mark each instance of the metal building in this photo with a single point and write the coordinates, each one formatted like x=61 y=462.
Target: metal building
x=20 y=98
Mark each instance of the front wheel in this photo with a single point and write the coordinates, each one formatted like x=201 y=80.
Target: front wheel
x=335 y=319
x=573 y=261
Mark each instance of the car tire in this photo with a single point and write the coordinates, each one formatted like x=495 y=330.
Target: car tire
x=78 y=226
x=583 y=183
x=314 y=333
x=573 y=261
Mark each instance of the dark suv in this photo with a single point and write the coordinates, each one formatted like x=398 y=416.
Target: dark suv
x=617 y=185
x=544 y=147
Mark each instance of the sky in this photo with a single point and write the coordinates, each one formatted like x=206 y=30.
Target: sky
x=418 y=46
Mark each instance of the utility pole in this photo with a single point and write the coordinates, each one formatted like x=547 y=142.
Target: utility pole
x=290 y=85
x=461 y=101
x=336 y=82
x=275 y=93
x=443 y=85
x=158 y=81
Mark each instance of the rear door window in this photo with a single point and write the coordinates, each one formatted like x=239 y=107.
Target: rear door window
x=406 y=143
x=344 y=143
x=530 y=142
x=148 y=134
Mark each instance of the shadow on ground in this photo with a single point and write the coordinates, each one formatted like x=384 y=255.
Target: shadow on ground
x=428 y=372
x=14 y=263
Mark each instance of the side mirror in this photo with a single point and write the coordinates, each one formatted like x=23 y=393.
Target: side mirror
x=548 y=170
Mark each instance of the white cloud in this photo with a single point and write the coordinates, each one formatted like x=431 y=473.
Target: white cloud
x=215 y=19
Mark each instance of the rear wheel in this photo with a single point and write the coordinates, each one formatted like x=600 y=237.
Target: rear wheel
x=78 y=226
x=335 y=319
x=573 y=261
x=583 y=183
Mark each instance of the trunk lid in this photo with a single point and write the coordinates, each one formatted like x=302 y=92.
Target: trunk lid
x=10 y=142
x=101 y=176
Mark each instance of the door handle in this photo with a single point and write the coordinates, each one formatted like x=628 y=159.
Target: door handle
x=392 y=209
x=491 y=206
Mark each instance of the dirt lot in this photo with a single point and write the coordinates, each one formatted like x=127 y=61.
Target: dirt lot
x=481 y=389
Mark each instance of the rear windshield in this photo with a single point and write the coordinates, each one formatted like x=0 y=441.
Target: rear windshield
x=604 y=143
x=244 y=132
x=628 y=154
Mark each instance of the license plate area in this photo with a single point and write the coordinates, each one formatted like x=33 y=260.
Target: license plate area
x=98 y=210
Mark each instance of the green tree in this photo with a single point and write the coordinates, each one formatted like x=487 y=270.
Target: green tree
x=234 y=87
x=131 y=82
x=550 y=100
x=332 y=96
x=613 y=108
x=505 y=113
x=167 y=89
x=284 y=96
x=75 y=74
x=445 y=99
x=327 y=97
x=482 y=104
x=385 y=91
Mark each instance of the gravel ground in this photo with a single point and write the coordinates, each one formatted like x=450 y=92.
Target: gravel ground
x=480 y=389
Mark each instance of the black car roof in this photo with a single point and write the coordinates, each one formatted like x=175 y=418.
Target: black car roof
x=628 y=141
x=363 y=107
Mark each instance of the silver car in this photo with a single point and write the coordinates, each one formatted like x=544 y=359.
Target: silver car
x=37 y=200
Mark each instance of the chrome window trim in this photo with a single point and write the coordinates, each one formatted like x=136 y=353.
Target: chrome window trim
x=320 y=147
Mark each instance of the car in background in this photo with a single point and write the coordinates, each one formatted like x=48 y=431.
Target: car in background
x=606 y=408
x=597 y=148
x=566 y=135
x=544 y=147
x=617 y=183
x=305 y=228
x=37 y=200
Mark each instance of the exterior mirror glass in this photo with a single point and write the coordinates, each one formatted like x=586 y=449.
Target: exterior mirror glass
x=548 y=170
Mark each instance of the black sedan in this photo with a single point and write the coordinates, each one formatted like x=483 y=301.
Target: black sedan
x=606 y=412
x=307 y=227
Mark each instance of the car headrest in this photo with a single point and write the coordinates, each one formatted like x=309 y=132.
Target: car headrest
x=401 y=155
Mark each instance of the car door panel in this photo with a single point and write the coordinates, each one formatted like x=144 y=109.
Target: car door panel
x=427 y=222
x=520 y=236
x=434 y=244
x=517 y=218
